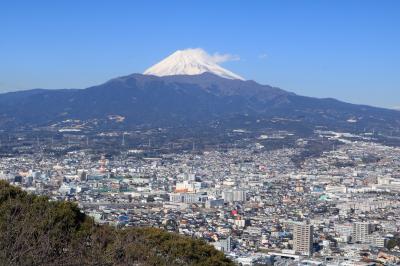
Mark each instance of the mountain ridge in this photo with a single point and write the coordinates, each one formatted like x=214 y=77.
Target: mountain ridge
x=184 y=99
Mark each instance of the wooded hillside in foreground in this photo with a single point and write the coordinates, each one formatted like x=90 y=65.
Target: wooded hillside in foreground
x=36 y=231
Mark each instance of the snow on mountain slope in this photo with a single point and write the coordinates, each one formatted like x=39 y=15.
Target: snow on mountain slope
x=189 y=62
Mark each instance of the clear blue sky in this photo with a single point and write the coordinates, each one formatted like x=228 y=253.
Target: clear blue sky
x=349 y=50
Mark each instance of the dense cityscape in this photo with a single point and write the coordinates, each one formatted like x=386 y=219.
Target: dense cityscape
x=260 y=206
x=200 y=133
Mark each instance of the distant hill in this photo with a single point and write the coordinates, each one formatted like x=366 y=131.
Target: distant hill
x=186 y=100
x=36 y=231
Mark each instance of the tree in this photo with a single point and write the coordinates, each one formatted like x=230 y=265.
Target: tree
x=36 y=231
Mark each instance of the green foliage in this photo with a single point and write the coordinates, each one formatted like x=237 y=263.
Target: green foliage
x=394 y=242
x=36 y=231
x=391 y=244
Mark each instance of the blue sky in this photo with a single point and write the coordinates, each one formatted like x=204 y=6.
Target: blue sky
x=348 y=50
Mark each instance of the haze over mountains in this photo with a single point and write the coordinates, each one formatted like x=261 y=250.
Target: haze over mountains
x=187 y=88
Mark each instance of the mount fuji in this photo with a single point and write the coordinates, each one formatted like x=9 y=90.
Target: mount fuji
x=187 y=89
x=190 y=62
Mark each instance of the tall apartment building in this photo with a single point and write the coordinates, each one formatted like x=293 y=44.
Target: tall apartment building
x=303 y=238
x=234 y=195
x=224 y=245
x=361 y=232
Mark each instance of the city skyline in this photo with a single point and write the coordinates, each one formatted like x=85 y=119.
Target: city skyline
x=200 y=133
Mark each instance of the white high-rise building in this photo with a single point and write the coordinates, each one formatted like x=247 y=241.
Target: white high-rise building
x=224 y=245
x=234 y=196
x=361 y=232
x=303 y=238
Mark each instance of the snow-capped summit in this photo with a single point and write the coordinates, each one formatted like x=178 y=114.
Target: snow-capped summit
x=190 y=62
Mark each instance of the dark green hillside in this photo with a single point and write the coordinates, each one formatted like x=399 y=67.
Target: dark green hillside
x=35 y=231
